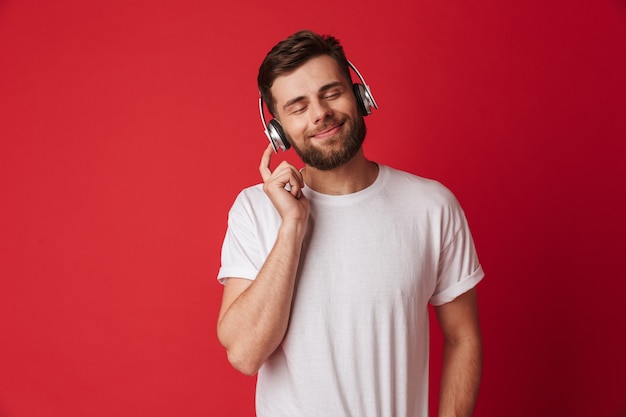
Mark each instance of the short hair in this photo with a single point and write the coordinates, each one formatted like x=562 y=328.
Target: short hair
x=291 y=53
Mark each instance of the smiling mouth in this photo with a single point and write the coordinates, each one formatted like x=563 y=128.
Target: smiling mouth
x=327 y=132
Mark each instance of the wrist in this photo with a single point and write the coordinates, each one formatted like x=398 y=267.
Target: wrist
x=293 y=229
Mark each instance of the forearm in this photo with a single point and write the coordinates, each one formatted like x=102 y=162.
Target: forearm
x=255 y=323
x=460 y=380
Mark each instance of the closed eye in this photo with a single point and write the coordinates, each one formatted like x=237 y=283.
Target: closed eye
x=332 y=90
x=298 y=110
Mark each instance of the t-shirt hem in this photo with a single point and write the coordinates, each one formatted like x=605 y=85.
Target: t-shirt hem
x=235 y=272
x=459 y=288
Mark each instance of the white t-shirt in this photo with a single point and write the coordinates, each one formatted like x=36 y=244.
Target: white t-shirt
x=357 y=342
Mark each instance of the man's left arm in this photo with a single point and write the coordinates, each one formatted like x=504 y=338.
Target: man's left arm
x=462 y=355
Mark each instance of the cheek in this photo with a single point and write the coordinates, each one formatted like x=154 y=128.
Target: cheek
x=295 y=128
x=349 y=107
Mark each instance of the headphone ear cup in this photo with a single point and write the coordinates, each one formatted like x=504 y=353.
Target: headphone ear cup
x=277 y=136
x=365 y=106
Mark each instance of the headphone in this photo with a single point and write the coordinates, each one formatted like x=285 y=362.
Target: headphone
x=276 y=135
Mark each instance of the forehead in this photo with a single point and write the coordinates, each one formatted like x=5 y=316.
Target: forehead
x=307 y=79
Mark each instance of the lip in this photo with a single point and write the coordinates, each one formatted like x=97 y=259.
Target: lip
x=326 y=133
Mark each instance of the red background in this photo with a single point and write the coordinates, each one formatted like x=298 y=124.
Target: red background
x=127 y=129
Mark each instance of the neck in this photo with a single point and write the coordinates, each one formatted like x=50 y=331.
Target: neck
x=355 y=175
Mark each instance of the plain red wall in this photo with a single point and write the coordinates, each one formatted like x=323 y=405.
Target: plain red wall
x=128 y=127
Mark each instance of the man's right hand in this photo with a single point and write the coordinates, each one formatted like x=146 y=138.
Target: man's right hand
x=284 y=188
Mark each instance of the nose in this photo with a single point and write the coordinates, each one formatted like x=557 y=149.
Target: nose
x=319 y=111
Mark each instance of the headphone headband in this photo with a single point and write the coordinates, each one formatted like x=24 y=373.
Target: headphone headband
x=368 y=92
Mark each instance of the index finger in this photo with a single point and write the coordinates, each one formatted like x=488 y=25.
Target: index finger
x=264 y=167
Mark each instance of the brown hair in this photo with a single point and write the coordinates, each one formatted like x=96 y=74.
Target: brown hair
x=293 y=52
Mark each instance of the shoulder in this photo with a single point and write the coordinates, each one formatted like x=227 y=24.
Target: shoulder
x=253 y=201
x=251 y=194
x=425 y=190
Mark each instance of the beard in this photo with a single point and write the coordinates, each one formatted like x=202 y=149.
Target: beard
x=342 y=147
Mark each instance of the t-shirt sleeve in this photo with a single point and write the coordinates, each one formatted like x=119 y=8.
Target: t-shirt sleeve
x=459 y=269
x=241 y=256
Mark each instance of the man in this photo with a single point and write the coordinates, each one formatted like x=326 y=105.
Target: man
x=329 y=269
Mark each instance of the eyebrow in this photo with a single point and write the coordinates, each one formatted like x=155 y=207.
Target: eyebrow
x=323 y=89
